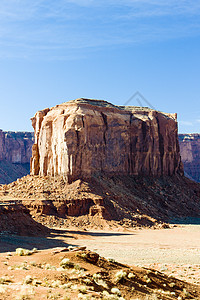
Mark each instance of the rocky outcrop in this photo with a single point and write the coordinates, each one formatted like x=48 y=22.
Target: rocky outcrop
x=190 y=154
x=83 y=137
x=11 y=213
x=15 y=154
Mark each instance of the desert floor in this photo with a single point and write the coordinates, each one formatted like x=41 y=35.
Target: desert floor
x=174 y=251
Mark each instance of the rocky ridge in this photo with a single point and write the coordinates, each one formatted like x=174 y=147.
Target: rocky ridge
x=10 y=214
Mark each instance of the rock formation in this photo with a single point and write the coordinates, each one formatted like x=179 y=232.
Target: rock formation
x=95 y=164
x=11 y=213
x=82 y=138
x=15 y=154
x=17 y=146
x=190 y=154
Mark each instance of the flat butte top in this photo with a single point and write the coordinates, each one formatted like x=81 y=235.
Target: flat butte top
x=102 y=105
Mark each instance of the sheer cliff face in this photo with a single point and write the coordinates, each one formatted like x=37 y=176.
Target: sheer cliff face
x=15 y=154
x=80 y=138
x=2 y=144
x=16 y=147
x=190 y=154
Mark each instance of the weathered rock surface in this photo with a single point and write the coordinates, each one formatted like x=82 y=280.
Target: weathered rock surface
x=15 y=154
x=17 y=146
x=190 y=154
x=95 y=165
x=81 y=138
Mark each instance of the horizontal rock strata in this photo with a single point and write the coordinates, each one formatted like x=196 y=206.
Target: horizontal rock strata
x=16 y=146
x=190 y=154
x=81 y=138
x=15 y=154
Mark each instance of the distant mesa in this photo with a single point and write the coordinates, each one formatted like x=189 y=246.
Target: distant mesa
x=190 y=154
x=15 y=153
x=84 y=137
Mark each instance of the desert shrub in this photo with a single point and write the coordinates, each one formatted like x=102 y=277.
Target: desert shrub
x=5 y=280
x=120 y=275
x=131 y=275
x=25 y=293
x=25 y=252
x=111 y=260
x=116 y=291
x=66 y=263
x=107 y=296
x=82 y=289
x=28 y=279
x=98 y=280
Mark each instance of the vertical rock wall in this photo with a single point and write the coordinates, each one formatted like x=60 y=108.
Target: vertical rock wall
x=16 y=147
x=190 y=154
x=80 y=138
x=2 y=145
x=15 y=154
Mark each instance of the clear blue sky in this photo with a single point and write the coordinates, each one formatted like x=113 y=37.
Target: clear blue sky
x=53 y=51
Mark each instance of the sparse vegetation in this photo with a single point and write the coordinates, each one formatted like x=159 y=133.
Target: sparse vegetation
x=25 y=252
x=66 y=263
x=120 y=275
x=111 y=281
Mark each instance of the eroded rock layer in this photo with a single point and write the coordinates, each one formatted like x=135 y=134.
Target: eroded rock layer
x=190 y=154
x=15 y=154
x=106 y=201
x=81 y=138
x=17 y=146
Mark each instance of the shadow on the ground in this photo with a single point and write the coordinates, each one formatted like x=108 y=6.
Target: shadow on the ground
x=91 y=233
x=9 y=243
x=185 y=221
x=55 y=238
x=87 y=233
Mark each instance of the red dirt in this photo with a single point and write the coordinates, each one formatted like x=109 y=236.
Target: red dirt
x=48 y=281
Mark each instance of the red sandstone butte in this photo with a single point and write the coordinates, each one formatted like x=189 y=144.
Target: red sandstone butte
x=83 y=137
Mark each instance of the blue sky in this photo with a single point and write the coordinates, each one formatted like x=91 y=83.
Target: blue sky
x=55 y=51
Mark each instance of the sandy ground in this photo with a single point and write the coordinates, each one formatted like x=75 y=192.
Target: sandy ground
x=173 y=251
x=177 y=245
